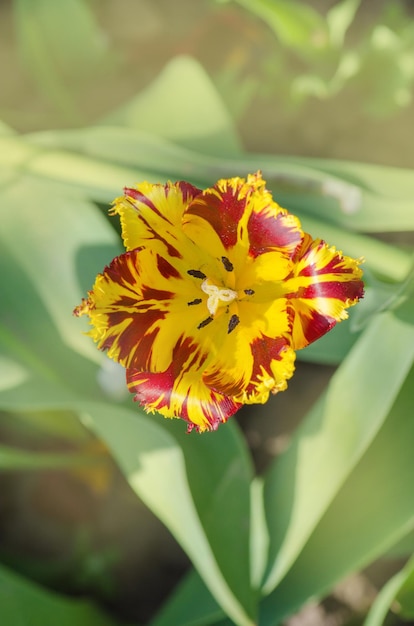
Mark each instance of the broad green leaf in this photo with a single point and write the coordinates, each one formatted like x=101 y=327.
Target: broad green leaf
x=72 y=172
x=195 y=115
x=259 y=536
x=191 y=604
x=23 y=603
x=222 y=498
x=399 y=592
x=162 y=473
x=372 y=511
x=301 y=485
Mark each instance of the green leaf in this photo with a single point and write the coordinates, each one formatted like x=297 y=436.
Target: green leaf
x=23 y=603
x=405 y=596
x=191 y=604
x=195 y=116
x=372 y=511
x=166 y=477
x=381 y=606
x=300 y=487
x=399 y=592
x=222 y=498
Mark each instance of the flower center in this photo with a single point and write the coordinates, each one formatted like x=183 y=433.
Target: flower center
x=217 y=296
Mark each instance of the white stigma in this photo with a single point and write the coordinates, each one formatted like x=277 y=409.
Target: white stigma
x=217 y=296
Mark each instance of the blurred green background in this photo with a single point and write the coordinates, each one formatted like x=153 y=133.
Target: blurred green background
x=293 y=89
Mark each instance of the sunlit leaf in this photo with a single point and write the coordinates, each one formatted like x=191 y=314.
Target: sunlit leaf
x=370 y=513
x=300 y=487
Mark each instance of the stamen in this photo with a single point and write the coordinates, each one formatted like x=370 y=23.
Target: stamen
x=196 y=301
x=205 y=322
x=234 y=320
x=228 y=265
x=196 y=274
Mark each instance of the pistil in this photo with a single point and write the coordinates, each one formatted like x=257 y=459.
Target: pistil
x=217 y=296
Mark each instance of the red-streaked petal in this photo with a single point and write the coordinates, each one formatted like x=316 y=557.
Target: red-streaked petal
x=126 y=311
x=274 y=364
x=139 y=307
x=323 y=285
x=273 y=229
x=237 y=219
x=217 y=219
x=224 y=209
x=151 y=216
x=180 y=391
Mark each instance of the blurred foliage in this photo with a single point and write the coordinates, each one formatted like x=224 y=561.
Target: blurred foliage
x=340 y=495
x=315 y=54
x=329 y=56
